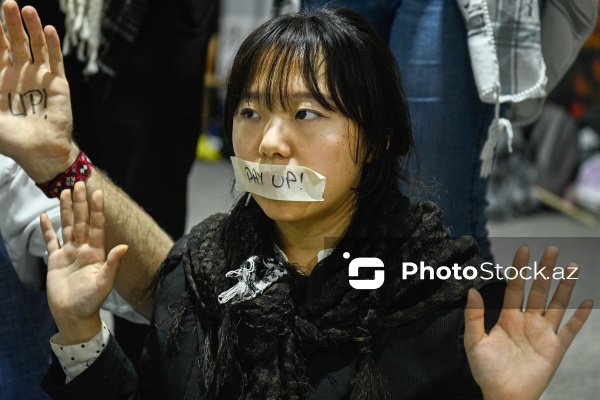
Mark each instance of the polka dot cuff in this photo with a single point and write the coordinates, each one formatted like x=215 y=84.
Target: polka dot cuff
x=75 y=359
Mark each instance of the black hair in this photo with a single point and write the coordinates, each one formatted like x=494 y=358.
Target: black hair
x=363 y=84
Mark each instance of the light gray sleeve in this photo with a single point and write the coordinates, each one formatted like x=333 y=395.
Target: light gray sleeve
x=22 y=203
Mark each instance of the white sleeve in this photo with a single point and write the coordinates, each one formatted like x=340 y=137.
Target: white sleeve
x=120 y=307
x=76 y=358
x=22 y=202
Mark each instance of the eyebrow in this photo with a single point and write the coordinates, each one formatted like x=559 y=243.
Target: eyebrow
x=296 y=95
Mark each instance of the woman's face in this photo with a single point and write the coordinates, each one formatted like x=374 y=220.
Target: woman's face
x=303 y=133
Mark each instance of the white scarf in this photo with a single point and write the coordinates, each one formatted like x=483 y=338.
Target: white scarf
x=83 y=20
x=519 y=53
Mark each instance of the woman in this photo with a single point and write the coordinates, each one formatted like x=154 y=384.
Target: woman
x=256 y=303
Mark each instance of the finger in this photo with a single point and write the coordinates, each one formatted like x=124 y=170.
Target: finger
x=109 y=271
x=19 y=43
x=515 y=288
x=57 y=66
x=80 y=212
x=474 y=322
x=36 y=35
x=538 y=296
x=575 y=323
x=562 y=295
x=52 y=243
x=4 y=50
x=97 y=221
x=66 y=215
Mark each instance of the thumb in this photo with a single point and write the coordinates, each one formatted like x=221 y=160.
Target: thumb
x=474 y=326
x=110 y=268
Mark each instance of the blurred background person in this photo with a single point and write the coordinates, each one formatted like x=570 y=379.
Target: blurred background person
x=430 y=42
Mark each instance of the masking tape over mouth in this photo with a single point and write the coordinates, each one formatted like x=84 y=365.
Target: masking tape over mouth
x=278 y=182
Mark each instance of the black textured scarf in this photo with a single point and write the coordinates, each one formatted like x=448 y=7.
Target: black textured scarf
x=270 y=318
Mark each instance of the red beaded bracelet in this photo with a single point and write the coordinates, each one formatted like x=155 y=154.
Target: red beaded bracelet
x=78 y=171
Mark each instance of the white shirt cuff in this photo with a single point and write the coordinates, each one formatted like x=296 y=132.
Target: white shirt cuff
x=75 y=358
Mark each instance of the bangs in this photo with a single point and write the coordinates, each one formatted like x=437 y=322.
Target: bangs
x=276 y=59
x=275 y=73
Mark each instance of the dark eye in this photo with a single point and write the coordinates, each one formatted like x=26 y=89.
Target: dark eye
x=306 y=115
x=248 y=113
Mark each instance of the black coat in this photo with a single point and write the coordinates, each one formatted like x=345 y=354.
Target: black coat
x=424 y=359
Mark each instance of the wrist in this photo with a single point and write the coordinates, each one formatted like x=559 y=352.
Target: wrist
x=78 y=171
x=44 y=169
x=80 y=331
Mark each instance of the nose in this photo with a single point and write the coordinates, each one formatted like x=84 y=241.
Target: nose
x=275 y=142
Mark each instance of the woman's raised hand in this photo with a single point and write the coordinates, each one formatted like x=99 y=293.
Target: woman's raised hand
x=519 y=356
x=35 y=105
x=79 y=276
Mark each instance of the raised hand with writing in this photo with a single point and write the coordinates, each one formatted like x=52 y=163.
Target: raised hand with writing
x=35 y=106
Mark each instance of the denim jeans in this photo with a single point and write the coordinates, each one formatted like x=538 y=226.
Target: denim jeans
x=25 y=329
x=428 y=39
